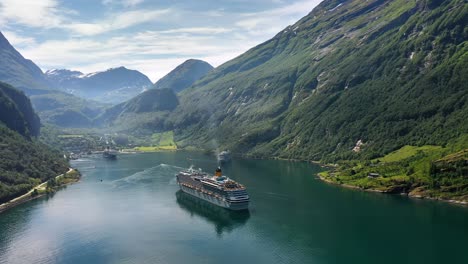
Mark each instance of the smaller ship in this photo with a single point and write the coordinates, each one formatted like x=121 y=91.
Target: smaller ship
x=109 y=154
x=224 y=157
x=217 y=189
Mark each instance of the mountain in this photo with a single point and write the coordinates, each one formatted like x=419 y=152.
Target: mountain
x=16 y=111
x=114 y=85
x=53 y=106
x=383 y=73
x=24 y=162
x=66 y=110
x=58 y=76
x=184 y=75
x=18 y=71
x=145 y=111
x=153 y=105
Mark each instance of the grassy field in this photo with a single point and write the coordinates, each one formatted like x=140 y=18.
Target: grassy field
x=424 y=171
x=70 y=136
x=154 y=149
x=406 y=152
x=163 y=139
x=160 y=142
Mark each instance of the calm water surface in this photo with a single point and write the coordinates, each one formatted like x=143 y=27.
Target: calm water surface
x=137 y=215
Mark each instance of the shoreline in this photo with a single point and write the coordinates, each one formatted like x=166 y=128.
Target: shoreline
x=420 y=197
x=28 y=196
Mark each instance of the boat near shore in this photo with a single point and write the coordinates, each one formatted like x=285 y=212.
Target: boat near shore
x=218 y=189
x=109 y=154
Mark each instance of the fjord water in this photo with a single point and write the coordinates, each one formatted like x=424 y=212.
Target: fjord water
x=137 y=215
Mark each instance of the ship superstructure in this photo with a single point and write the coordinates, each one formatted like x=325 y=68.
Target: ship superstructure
x=109 y=154
x=224 y=157
x=218 y=189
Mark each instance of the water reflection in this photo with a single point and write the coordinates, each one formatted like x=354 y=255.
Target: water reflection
x=223 y=220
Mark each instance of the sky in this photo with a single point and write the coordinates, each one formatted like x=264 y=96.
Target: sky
x=151 y=36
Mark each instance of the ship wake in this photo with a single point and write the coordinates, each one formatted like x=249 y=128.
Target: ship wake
x=162 y=173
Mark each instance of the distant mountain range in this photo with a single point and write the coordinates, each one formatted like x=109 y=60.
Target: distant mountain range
x=149 y=110
x=114 y=85
x=73 y=99
x=184 y=75
x=68 y=98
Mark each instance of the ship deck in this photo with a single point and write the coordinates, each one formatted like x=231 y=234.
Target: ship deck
x=188 y=180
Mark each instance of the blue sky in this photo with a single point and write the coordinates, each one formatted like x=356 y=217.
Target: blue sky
x=152 y=36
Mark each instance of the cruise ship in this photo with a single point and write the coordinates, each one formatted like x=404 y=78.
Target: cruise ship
x=217 y=189
x=109 y=154
x=224 y=157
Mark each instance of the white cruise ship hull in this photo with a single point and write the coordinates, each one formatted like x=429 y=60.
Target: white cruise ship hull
x=219 y=201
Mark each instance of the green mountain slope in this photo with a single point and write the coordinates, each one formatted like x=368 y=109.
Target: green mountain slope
x=18 y=71
x=150 y=110
x=16 y=111
x=147 y=110
x=388 y=73
x=53 y=106
x=184 y=75
x=66 y=110
x=24 y=162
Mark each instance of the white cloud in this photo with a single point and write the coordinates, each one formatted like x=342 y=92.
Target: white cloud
x=266 y=23
x=152 y=52
x=198 y=30
x=48 y=14
x=129 y=3
x=125 y=3
x=116 y=21
x=17 y=40
x=34 y=13
x=215 y=36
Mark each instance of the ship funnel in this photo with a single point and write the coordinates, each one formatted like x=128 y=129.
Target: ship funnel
x=218 y=172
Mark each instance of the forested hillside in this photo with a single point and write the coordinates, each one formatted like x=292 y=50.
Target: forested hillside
x=388 y=73
x=66 y=110
x=24 y=162
x=147 y=111
x=16 y=111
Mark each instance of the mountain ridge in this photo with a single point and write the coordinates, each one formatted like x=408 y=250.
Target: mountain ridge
x=184 y=75
x=113 y=85
x=146 y=110
x=160 y=99
x=18 y=71
x=24 y=162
